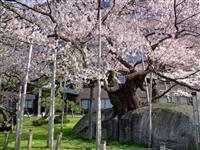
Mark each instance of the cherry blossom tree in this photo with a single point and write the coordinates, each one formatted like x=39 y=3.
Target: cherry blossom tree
x=168 y=41
x=163 y=35
x=23 y=33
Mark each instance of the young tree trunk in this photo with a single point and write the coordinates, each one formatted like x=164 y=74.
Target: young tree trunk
x=66 y=106
x=98 y=117
x=149 y=99
x=39 y=102
x=63 y=105
x=22 y=103
x=72 y=113
x=90 y=111
x=0 y=86
x=6 y=139
x=52 y=105
x=150 y=110
x=98 y=98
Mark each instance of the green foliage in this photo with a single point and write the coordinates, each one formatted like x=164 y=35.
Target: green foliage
x=40 y=121
x=58 y=102
x=10 y=81
x=72 y=143
x=73 y=107
x=1 y=118
x=8 y=6
x=57 y=119
x=44 y=120
x=46 y=96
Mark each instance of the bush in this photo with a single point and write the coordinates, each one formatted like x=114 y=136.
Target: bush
x=58 y=120
x=42 y=121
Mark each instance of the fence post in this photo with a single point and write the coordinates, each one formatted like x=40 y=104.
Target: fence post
x=30 y=138
x=162 y=146
x=58 y=143
x=103 y=145
x=5 y=143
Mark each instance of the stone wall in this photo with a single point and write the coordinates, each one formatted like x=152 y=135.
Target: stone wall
x=171 y=124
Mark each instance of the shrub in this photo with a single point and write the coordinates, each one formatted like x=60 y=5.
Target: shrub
x=40 y=121
x=58 y=120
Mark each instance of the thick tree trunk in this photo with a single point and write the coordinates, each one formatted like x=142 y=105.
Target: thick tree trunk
x=124 y=97
x=124 y=100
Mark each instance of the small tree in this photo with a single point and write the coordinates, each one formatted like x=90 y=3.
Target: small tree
x=74 y=108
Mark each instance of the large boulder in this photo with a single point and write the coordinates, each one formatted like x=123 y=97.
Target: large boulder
x=171 y=124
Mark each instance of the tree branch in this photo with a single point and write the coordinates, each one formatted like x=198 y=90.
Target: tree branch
x=154 y=46
x=121 y=60
x=38 y=11
x=177 y=82
x=175 y=16
x=187 y=18
x=165 y=92
x=19 y=15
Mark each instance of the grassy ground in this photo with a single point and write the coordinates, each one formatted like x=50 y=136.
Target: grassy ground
x=69 y=141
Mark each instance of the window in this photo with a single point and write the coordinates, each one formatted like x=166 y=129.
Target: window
x=28 y=103
x=85 y=103
x=105 y=103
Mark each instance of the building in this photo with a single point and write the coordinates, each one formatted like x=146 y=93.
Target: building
x=11 y=99
x=83 y=99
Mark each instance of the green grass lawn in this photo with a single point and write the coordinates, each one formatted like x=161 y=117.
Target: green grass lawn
x=69 y=141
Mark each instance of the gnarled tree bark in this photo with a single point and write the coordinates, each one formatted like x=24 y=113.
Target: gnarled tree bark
x=124 y=97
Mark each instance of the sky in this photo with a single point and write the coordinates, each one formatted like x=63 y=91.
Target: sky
x=28 y=2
